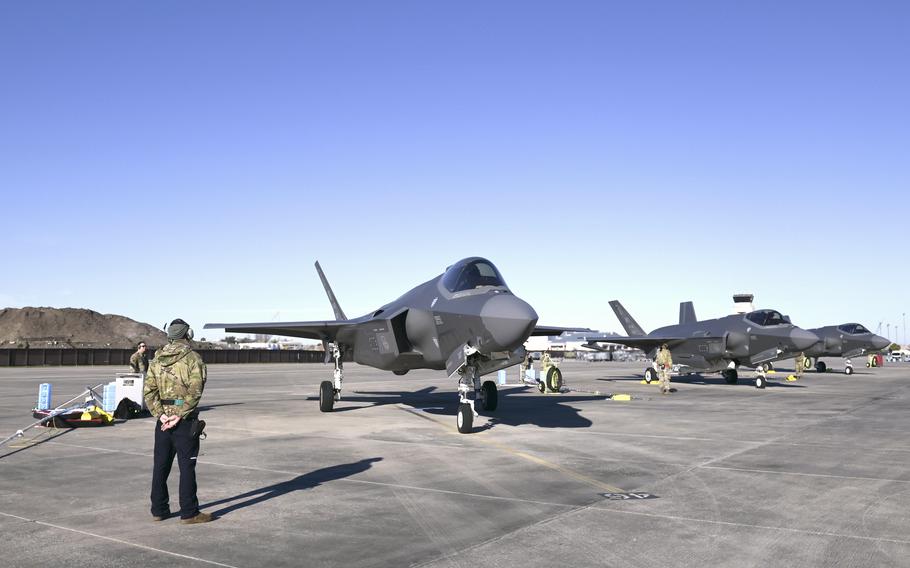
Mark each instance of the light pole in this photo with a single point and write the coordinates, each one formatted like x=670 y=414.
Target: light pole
x=905 y=326
x=888 y=327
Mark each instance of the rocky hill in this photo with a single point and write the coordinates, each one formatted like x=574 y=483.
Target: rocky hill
x=73 y=327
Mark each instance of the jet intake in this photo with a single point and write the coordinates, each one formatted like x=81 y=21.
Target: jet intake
x=736 y=344
x=833 y=344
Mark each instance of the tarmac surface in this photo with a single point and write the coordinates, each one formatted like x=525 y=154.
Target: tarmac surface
x=807 y=473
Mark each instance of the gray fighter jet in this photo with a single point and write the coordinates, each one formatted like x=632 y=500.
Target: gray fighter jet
x=722 y=344
x=465 y=321
x=846 y=340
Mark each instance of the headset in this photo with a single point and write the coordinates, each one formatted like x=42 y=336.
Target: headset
x=189 y=332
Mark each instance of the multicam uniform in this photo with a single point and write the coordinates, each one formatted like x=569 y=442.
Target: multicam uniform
x=176 y=378
x=139 y=362
x=800 y=364
x=664 y=365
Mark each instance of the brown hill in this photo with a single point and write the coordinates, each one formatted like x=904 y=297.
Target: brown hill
x=73 y=327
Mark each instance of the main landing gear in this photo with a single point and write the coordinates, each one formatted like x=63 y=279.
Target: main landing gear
x=730 y=376
x=330 y=391
x=486 y=393
x=650 y=375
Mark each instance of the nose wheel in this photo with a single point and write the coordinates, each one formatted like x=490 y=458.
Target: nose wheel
x=330 y=391
x=465 y=418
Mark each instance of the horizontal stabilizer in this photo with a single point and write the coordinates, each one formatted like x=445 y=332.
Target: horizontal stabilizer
x=549 y=330
x=318 y=330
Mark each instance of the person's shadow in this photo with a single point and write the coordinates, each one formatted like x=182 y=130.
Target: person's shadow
x=299 y=483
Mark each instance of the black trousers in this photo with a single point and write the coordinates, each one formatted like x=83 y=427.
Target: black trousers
x=179 y=442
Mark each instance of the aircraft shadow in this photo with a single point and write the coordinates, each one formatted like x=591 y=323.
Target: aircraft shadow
x=299 y=483
x=697 y=379
x=366 y=399
x=544 y=411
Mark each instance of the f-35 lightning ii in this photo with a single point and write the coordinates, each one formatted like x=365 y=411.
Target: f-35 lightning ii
x=465 y=321
x=722 y=344
x=846 y=341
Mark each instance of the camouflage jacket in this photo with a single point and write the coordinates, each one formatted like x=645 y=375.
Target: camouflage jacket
x=176 y=374
x=664 y=358
x=139 y=362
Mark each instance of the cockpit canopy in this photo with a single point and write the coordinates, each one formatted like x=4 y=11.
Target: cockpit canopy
x=853 y=328
x=471 y=273
x=767 y=317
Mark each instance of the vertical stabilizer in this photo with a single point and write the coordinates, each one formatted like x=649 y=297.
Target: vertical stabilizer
x=628 y=322
x=339 y=313
x=687 y=313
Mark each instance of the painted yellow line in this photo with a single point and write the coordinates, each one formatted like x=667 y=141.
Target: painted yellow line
x=597 y=484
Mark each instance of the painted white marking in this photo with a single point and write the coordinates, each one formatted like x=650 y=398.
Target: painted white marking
x=117 y=540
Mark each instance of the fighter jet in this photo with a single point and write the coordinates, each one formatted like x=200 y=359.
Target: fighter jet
x=466 y=321
x=722 y=344
x=846 y=340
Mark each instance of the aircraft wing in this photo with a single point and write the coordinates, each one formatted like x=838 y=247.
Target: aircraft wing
x=318 y=330
x=644 y=343
x=556 y=330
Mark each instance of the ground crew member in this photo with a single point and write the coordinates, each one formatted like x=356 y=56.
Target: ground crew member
x=800 y=364
x=664 y=365
x=173 y=388
x=526 y=365
x=545 y=363
x=139 y=362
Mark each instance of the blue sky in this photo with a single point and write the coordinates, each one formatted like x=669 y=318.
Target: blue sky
x=193 y=159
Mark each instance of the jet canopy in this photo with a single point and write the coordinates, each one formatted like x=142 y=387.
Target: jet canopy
x=767 y=317
x=853 y=328
x=471 y=273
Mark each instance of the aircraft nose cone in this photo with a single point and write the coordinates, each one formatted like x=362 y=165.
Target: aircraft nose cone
x=803 y=339
x=509 y=320
x=880 y=342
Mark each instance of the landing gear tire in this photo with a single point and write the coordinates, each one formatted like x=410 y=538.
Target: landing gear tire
x=821 y=367
x=760 y=382
x=554 y=379
x=465 y=419
x=490 y=396
x=848 y=370
x=542 y=387
x=326 y=396
x=731 y=376
x=767 y=367
x=650 y=375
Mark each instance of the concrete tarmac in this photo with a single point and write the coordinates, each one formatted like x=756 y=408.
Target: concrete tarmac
x=807 y=473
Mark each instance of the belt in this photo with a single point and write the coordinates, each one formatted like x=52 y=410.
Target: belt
x=172 y=401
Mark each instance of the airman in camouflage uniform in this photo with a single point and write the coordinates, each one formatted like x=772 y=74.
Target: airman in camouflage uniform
x=664 y=366
x=800 y=364
x=139 y=362
x=173 y=387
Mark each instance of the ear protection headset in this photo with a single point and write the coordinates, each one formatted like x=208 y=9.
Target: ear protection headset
x=189 y=332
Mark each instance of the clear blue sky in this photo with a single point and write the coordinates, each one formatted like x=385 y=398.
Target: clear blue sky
x=163 y=159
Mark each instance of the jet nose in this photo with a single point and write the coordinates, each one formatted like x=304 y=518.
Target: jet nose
x=879 y=342
x=509 y=320
x=803 y=339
